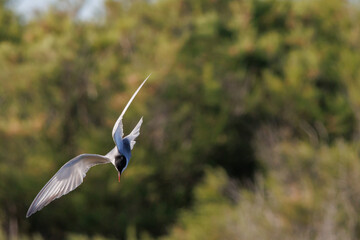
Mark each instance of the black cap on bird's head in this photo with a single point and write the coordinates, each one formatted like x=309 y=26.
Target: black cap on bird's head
x=121 y=163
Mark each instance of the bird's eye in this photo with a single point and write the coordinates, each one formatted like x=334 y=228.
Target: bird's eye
x=120 y=163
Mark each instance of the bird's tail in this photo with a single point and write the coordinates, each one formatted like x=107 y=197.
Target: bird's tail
x=134 y=133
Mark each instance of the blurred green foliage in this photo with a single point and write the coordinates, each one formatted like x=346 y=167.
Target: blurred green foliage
x=251 y=120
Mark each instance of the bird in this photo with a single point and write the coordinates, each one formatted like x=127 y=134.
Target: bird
x=72 y=173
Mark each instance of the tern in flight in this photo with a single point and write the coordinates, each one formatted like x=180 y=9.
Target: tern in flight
x=71 y=175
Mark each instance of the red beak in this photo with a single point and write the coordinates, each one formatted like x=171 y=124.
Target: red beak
x=119 y=176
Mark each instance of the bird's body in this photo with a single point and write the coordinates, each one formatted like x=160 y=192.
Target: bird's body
x=72 y=173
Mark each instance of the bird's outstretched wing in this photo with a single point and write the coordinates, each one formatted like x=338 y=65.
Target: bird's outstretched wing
x=134 y=134
x=117 y=132
x=69 y=177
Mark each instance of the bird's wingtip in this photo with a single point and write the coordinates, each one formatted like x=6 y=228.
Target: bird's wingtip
x=146 y=78
x=30 y=212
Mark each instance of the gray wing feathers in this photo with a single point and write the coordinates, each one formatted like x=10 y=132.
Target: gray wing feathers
x=118 y=132
x=134 y=133
x=118 y=123
x=69 y=177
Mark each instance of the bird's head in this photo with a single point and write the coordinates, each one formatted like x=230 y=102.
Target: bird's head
x=121 y=163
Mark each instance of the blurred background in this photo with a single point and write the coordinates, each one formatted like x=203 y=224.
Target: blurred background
x=251 y=118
